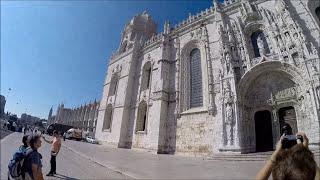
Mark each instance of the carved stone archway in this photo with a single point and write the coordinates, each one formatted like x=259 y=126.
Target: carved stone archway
x=268 y=86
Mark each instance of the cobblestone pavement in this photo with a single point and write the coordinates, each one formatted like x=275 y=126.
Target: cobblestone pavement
x=69 y=164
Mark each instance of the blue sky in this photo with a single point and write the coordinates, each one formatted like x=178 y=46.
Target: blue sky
x=54 y=52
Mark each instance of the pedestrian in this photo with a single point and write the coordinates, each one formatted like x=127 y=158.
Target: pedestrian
x=296 y=162
x=17 y=160
x=64 y=136
x=56 y=145
x=33 y=164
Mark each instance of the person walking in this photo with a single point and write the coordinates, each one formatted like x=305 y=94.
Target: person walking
x=33 y=164
x=56 y=145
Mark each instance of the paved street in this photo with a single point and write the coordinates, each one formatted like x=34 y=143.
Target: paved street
x=69 y=164
x=80 y=160
x=140 y=164
x=4 y=133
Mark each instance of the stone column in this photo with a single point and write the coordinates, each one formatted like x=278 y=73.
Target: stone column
x=275 y=126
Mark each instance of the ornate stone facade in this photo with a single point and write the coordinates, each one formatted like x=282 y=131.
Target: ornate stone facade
x=255 y=62
x=84 y=117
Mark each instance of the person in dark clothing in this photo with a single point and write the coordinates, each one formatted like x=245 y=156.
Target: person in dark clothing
x=33 y=162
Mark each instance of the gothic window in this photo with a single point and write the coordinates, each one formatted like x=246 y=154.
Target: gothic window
x=318 y=12
x=108 y=117
x=113 y=85
x=195 y=79
x=146 y=76
x=142 y=117
x=259 y=44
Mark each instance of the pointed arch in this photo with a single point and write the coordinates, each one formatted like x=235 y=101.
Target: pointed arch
x=146 y=76
x=142 y=117
x=108 y=117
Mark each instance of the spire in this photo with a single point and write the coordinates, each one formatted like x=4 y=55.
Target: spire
x=50 y=113
x=166 y=28
x=217 y=10
x=216 y=4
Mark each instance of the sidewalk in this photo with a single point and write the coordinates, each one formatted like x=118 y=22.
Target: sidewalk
x=138 y=164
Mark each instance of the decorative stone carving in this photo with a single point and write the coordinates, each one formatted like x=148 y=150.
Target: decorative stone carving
x=229 y=123
x=228 y=62
x=229 y=113
x=286 y=93
x=261 y=47
x=197 y=33
x=318 y=95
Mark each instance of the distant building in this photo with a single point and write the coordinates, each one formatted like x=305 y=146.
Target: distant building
x=50 y=117
x=27 y=119
x=83 y=117
x=2 y=105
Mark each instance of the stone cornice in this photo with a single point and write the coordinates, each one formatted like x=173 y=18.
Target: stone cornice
x=166 y=61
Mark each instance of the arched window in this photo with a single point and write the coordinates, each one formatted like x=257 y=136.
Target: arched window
x=259 y=44
x=195 y=79
x=318 y=12
x=113 y=85
x=142 y=117
x=146 y=76
x=108 y=117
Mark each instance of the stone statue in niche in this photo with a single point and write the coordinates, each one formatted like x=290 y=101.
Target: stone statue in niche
x=229 y=114
x=314 y=49
x=228 y=60
x=229 y=123
x=314 y=69
x=220 y=30
x=260 y=44
x=296 y=39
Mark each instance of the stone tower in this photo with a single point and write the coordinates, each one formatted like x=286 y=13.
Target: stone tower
x=120 y=87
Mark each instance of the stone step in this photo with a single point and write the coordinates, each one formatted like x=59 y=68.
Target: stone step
x=260 y=156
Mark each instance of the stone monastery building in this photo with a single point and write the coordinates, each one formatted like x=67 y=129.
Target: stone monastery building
x=223 y=80
x=83 y=117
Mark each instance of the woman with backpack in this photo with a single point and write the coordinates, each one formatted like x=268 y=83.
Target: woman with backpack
x=15 y=166
x=33 y=164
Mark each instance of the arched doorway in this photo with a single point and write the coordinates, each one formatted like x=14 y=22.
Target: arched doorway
x=263 y=90
x=287 y=115
x=263 y=128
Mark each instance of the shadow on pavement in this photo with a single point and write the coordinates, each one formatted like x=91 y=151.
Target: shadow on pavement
x=60 y=176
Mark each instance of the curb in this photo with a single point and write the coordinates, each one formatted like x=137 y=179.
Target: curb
x=9 y=133
x=113 y=168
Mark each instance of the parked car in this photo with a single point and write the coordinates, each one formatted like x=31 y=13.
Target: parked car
x=90 y=139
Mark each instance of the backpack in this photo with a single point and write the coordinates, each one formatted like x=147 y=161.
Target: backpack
x=16 y=164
